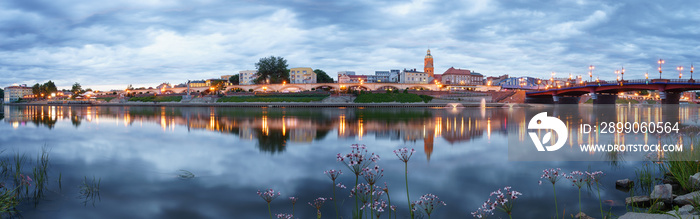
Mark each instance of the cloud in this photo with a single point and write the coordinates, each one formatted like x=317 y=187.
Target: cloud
x=107 y=45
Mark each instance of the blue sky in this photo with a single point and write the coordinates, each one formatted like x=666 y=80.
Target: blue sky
x=110 y=44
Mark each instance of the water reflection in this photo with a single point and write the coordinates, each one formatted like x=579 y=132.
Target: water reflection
x=273 y=128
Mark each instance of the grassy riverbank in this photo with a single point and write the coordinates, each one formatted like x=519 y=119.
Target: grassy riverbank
x=156 y=99
x=392 y=97
x=274 y=98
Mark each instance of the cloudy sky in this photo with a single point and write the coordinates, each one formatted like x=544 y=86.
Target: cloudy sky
x=109 y=44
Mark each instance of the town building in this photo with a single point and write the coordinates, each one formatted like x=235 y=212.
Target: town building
x=412 y=76
x=14 y=93
x=428 y=65
x=344 y=76
x=302 y=75
x=214 y=81
x=391 y=76
x=247 y=77
x=455 y=76
x=226 y=77
x=197 y=83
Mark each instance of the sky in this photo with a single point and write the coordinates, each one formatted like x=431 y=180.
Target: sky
x=110 y=44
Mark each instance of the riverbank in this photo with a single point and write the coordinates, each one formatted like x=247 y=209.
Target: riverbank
x=280 y=104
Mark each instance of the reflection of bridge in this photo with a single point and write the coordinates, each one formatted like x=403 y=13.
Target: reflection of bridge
x=304 y=87
x=605 y=92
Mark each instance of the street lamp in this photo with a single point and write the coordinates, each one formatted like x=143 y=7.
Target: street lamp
x=680 y=71
x=590 y=72
x=623 y=73
x=646 y=75
x=691 y=71
x=661 y=61
x=539 y=81
x=617 y=72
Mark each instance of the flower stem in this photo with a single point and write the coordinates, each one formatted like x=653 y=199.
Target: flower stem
x=371 y=201
x=269 y=210
x=599 y=200
x=389 y=198
x=407 y=196
x=556 y=208
x=579 y=199
x=335 y=203
x=357 y=207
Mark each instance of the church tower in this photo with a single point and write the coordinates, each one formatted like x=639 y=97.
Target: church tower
x=428 y=64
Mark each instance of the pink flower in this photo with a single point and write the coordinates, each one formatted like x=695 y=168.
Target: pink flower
x=333 y=174
x=553 y=175
x=358 y=159
x=285 y=216
x=372 y=175
x=428 y=203
x=340 y=185
x=318 y=203
x=404 y=154
x=268 y=195
x=293 y=199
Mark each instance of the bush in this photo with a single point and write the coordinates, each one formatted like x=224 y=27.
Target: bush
x=270 y=98
x=250 y=90
x=396 y=91
x=405 y=91
x=393 y=97
x=426 y=98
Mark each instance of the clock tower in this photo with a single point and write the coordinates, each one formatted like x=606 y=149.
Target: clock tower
x=428 y=64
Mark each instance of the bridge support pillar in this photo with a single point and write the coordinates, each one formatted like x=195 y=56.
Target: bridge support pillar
x=540 y=99
x=669 y=97
x=604 y=98
x=565 y=100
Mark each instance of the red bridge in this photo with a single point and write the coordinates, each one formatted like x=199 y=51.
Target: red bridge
x=605 y=92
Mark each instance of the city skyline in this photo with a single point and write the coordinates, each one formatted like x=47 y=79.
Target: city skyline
x=110 y=45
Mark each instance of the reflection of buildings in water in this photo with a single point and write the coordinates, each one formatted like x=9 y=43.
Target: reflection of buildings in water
x=293 y=125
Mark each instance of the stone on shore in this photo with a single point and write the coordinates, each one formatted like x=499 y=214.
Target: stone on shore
x=624 y=183
x=695 y=180
x=686 y=199
x=638 y=201
x=634 y=215
x=662 y=192
x=582 y=215
x=685 y=210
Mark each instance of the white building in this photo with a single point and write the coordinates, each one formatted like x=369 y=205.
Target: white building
x=302 y=75
x=14 y=93
x=247 y=77
x=412 y=76
x=344 y=76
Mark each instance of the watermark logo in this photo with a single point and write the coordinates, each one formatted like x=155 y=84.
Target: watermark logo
x=543 y=122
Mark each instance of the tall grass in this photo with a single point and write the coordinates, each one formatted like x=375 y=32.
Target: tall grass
x=683 y=164
x=90 y=190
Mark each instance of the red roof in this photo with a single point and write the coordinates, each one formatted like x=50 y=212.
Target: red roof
x=456 y=71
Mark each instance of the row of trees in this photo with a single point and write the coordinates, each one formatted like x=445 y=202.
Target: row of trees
x=44 y=90
x=274 y=70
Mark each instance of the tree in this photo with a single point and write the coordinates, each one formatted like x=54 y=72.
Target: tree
x=76 y=89
x=50 y=87
x=217 y=85
x=36 y=89
x=234 y=79
x=130 y=87
x=2 y=93
x=273 y=69
x=322 y=77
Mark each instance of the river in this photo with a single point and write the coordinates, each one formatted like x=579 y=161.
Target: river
x=200 y=162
